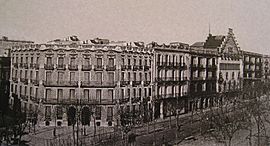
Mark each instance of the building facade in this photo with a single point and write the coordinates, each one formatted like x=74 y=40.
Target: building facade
x=69 y=81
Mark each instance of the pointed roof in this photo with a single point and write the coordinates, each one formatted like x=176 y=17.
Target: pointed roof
x=214 y=41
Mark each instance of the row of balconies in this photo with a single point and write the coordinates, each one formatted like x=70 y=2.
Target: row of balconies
x=133 y=100
x=202 y=67
x=171 y=65
x=135 y=67
x=78 y=102
x=75 y=67
x=169 y=96
x=26 y=65
x=25 y=81
x=171 y=81
x=134 y=83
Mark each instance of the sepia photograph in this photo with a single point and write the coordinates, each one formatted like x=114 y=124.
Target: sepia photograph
x=134 y=73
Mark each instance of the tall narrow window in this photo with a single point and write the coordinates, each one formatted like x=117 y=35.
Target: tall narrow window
x=140 y=62
x=122 y=76
x=111 y=94
x=37 y=60
x=99 y=77
x=72 y=76
x=134 y=92
x=72 y=93
x=111 y=61
x=129 y=76
x=47 y=112
x=37 y=75
x=25 y=75
x=48 y=94
x=72 y=61
x=140 y=76
x=110 y=114
x=59 y=94
x=49 y=60
x=111 y=78
x=86 y=76
x=122 y=93
x=26 y=60
x=99 y=61
x=98 y=113
x=140 y=92
x=32 y=60
x=86 y=61
x=145 y=92
x=128 y=93
x=86 y=94
x=60 y=77
x=129 y=61
x=134 y=77
x=123 y=61
x=61 y=61
x=36 y=95
x=31 y=74
x=31 y=91
x=98 y=95
x=134 y=62
x=48 y=76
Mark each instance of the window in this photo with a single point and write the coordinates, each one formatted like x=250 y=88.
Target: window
x=25 y=75
x=98 y=95
x=111 y=94
x=145 y=92
x=26 y=60
x=31 y=91
x=128 y=76
x=111 y=77
x=122 y=76
x=134 y=92
x=99 y=77
x=37 y=75
x=140 y=76
x=123 y=61
x=49 y=60
x=99 y=61
x=140 y=62
x=47 y=112
x=31 y=74
x=48 y=76
x=59 y=94
x=129 y=61
x=59 y=112
x=140 y=92
x=122 y=93
x=86 y=76
x=60 y=77
x=110 y=114
x=21 y=74
x=232 y=75
x=37 y=61
x=145 y=62
x=128 y=92
x=226 y=75
x=21 y=59
x=134 y=77
x=36 y=95
x=72 y=61
x=72 y=76
x=72 y=93
x=60 y=61
x=98 y=113
x=111 y=61
x=134 y=61
x=25 y=90
x=149 y=91
x=32 y=60
x=86 y=61
x=86 y=94
x=48 y=94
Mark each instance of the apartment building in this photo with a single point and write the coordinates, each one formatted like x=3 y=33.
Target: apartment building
x=90 y=81
x=203 y=77
x=171 y=79
x=229 y=63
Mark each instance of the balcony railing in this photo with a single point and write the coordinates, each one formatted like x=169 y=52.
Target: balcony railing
x=72 y=67
x=15 y=80
x=99 y=68
x=25 y=65
x=136 y=67
x=124 y=83
x=36 y=66
x=98 y=84
x=21 y=64
x=77 y=101
x=15 y=65
x=110 y=67
x=35 y=82
x=135 y=99
x=123 y=67
x=48 y=66
x=24 y=97
x=146 y=67
x=136 y=83
x=61 y=67
x=146 y=83
x=86 y=67
x=123 y=101
x=129 y=67
x=25 y=81
x=60 y=83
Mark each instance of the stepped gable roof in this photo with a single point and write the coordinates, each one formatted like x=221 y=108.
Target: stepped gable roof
x=214 y=41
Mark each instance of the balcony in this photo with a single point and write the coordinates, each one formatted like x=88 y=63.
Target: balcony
x=111 y=67
x=128 y=67
x=183 y=66
x=35 y=82
x=171 y=81
x=123 y=101
x=61 y=67
x=86 y=67
x=48 y=66
x=146 y=83
x=34 y=99
x=136 y=67
x=201 y=67
x=135 y=99
x=211 y=67
x=21 y=65
x=146 y=68
x=36 y=66
x=124 y=83
x=72 y=67
x=15 y=80
x=165 y=96
x=60 y=83
x=24 y=97
x=123 y=67
x=25 y=65
x=136 y=83
x=25 y=81
x=98 y=84
x=15 y=65
x=140 y=67
x=99 y=68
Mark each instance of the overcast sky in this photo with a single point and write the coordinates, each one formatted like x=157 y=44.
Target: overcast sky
x=138 y=20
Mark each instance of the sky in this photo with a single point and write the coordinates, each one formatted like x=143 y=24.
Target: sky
x=162 y=21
